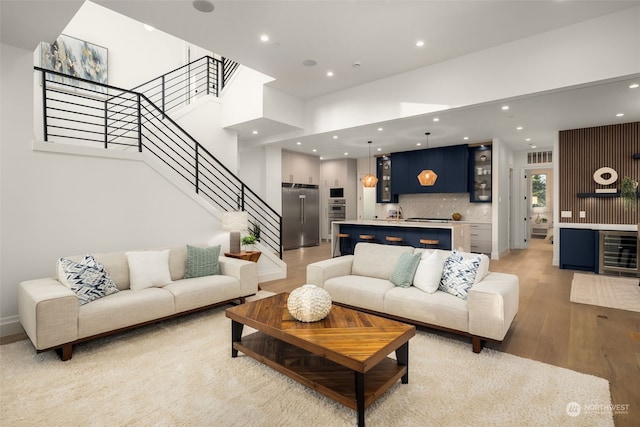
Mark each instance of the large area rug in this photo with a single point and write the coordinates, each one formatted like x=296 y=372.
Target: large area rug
x=606 y=291
x=180 y=373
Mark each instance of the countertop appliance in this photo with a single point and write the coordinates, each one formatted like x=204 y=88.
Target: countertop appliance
x=300 y=215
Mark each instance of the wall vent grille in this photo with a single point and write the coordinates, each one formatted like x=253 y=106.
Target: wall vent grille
x=536 y=157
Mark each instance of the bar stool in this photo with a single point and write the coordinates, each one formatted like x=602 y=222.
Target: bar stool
x=341 y=240
x=394 y=240
x=432 y=243
x=367 y=238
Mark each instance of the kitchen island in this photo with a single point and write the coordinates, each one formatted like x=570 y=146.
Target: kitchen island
x=451 y=234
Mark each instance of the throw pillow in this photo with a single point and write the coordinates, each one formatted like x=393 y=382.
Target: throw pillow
x=429 y=271
x=405 y=269
x=459 y=274
x=202 y=261
x=87 y=279
x=148 y=269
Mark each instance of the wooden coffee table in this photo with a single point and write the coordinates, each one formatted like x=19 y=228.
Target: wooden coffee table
x=343 y=356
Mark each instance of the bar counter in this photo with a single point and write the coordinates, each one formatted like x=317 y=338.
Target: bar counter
x=450 y=234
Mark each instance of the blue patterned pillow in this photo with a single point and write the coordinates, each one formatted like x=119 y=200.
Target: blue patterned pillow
x=405 y=269
x=459 y=274
x=88 y=279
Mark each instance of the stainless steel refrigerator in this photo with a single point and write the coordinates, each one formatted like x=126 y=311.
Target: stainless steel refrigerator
x=300 y=215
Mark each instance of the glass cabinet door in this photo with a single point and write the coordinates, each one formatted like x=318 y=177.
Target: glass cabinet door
x=480 y=174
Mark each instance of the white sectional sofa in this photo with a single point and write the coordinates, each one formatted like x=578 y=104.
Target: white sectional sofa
x=54 y=317
x=363 y=281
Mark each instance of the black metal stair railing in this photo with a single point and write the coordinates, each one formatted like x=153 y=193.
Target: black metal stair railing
x=204 y=76
x=81 y=111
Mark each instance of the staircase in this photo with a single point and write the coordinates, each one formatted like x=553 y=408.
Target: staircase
x=82 y=112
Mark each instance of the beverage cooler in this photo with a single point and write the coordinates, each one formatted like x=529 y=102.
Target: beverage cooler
x=618 y=251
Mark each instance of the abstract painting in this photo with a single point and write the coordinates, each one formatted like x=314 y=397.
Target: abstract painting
x=75 y=58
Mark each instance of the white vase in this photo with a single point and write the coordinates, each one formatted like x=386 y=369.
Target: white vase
x=309 y=303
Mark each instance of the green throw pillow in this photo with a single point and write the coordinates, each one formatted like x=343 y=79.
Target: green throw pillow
x=202 y=261
x=405 y=269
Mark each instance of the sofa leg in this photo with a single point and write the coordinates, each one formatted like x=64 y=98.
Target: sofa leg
x=477 y=344
x=65 y=352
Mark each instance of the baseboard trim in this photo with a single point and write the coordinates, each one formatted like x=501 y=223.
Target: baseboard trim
x=10 y=326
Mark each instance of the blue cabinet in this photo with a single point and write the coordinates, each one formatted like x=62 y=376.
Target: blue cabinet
x=449 y=163
x=579 y=249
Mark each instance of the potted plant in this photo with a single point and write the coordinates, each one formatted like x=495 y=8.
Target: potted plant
x=248 y=240
x=629 y=192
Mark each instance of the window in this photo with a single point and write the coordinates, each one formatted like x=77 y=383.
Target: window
x=539 y=190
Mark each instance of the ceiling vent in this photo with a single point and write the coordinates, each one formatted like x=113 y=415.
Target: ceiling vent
x=536 y=157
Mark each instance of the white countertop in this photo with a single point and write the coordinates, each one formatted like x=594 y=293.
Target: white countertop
x=401 y=223
x=616 y=227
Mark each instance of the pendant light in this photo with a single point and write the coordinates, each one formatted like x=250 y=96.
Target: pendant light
x=427 y=177
x=369 y=181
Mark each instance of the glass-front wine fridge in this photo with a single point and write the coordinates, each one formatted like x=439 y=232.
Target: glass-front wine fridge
x=619 y=251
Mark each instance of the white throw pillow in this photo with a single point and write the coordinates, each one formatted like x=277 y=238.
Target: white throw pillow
x=429 y=271
x=148 y=269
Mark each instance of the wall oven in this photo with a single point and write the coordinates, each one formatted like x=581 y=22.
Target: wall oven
x=618 y=252
x=337 y=211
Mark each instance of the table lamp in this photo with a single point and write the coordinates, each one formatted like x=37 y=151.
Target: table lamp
x=234 y=222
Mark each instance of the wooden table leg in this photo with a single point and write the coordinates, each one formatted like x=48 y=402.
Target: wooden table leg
x=236 y=336
x=402 y=355
x=360 y=397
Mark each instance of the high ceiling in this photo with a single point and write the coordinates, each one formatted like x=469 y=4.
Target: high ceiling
x=381 y=36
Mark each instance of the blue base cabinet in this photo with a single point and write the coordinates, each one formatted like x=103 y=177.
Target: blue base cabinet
x=579 y=249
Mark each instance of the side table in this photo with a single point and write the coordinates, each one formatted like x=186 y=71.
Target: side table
x=245 y=255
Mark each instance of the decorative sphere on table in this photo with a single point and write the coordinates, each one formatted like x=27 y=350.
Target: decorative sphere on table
x=309 y=303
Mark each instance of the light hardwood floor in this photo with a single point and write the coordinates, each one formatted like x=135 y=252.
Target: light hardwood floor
x=549 y=328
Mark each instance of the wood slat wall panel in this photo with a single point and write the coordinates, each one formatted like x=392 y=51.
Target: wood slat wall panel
x=581 y=153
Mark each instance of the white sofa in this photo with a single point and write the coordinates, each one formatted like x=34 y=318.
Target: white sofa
x=53 y=318
x=362 y=281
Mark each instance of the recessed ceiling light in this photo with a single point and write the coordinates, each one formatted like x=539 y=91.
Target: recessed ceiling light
x=321 y=158
x=634 y=86
x=505 y=107
x=203 y=6
x=379 y=149
x=465 y=138
x=329 y=73
x=148 y=27
x=264 y=38
x=519 y=128
x=435 y=119
x=533 y=146
x=335 y=136
x=418 y=144
x=619 y=114
x=346 y=154
x=528 y=139
x=420 y=43
x=309 y=63
x=255 y=132
x=380 y=129
x=298 y=143
x=314 y=150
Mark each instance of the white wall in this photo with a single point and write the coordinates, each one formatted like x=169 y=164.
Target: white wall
x=135 y=54
x=203 y=121
x=501 y=207
x=577 y=54
x=59 y=204
x=244 y=98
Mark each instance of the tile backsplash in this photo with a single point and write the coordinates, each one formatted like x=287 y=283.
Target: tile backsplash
x=440 y=205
